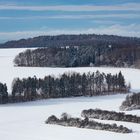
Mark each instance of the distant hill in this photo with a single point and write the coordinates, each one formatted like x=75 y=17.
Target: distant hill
x=78 y=50
x=72 y=40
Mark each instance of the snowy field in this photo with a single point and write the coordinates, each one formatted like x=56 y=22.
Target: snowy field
x=26 y=121
x=8 y=72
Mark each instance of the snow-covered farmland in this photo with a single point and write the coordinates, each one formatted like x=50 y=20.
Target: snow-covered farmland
x=25 y=121
x=8 y=72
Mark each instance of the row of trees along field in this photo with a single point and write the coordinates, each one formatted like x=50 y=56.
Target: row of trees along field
x=67 y=85
x=74 y=56
x=71 y=40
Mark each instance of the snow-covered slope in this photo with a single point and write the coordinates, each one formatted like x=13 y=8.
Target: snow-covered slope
x=26 y=121
x=8 y=72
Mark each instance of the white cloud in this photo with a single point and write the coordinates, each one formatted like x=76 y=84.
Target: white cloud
x=129 y=30
x=93 y=16
x=124 y=7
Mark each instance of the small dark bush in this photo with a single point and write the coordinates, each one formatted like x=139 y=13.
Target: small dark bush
x=86 y=123
x=131 y=102
x=109 y=115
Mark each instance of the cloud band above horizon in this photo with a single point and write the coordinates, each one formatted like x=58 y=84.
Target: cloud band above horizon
x=23 y=20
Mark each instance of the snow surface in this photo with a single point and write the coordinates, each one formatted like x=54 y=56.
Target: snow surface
x=26 y=121
x=8 y=72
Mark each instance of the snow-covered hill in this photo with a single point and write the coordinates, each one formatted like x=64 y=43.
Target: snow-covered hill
x=26 y=121
x=8 y=72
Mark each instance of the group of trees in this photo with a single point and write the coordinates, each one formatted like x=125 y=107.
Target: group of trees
x=3 y=93
x=74 y=56
x=89 y=49
x=131 y=102
x=71 y=40
x=67 y=85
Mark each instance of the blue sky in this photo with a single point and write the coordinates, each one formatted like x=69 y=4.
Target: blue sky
x=29 y=18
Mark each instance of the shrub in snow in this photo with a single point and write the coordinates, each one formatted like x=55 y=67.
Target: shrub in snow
x=51 y=119
x=86 y=123
x=131 y=102
x=65 y=116
x=109 y=115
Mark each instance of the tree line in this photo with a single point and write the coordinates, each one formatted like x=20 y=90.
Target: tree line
x=68 y=121
x=66 y=85
x=110 y=115
x=75 y=56
x=71 y=40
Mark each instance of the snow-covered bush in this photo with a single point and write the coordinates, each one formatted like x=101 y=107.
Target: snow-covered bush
x=86 y=123
x=109 y=115
x=131 y=102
